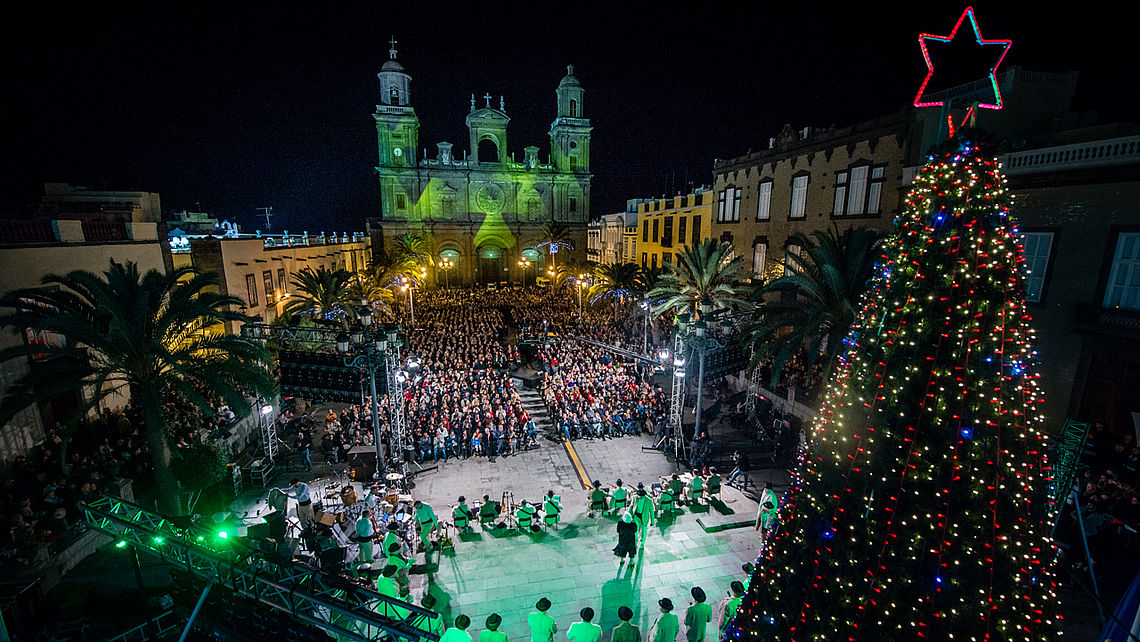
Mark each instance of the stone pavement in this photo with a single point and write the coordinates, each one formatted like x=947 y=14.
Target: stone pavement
x=573 y=565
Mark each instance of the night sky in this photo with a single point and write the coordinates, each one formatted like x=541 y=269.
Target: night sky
x=225 y=110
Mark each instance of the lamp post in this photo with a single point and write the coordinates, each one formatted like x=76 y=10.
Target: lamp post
x=645 y=337
x=446 y=264
x=581 y=285
x=524 y=263
x=407 y=286
x=362 y=349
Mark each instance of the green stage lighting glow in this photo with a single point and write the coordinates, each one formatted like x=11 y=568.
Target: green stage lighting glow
x=121 y=544
x=223 y=534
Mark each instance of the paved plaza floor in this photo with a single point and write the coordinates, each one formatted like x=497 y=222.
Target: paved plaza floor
x=505 y=572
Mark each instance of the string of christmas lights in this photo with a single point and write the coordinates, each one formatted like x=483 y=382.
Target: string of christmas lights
x=918 y=509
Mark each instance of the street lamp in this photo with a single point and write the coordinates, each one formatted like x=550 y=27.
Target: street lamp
x=407 y=287
x=524 y=263
x=581 y=285
x=361 y=348
x=446 y=264
x=645 y=337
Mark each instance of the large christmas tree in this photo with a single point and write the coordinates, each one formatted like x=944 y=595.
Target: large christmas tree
x=918 y=509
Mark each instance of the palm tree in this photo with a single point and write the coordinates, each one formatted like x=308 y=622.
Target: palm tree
x=323 y=294
x=619 y=281
x=555 y=237
x=704 y=271
x=155 y=335
x=813 y=306
x=412 y=250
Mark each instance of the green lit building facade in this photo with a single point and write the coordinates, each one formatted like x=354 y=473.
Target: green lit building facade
x=482 y=209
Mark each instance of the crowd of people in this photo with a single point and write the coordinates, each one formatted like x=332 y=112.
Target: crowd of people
x=1109 y=493
x=39 y=503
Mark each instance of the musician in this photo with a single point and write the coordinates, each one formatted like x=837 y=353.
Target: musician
x=402 y=564
x=696 y=487
x=766 y=513
x=666 y=501
x=299 y=491
x=525 y=515
x=461 y=515
x=599 y=499
x=392 y=536
x=676 y=488
x=551 y=507
x=365 y=531
x=490 y=509
x=375 y=499
x=619 y=497
x=643 y=512
x=425 y=517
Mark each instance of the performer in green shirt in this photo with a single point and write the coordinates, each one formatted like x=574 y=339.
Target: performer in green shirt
x=492 y=633
x=625 y=632
x=586 y=630
x=732 y=605
x=697 y=616
x=666 y=628
x=457 y=633
x=542 y=626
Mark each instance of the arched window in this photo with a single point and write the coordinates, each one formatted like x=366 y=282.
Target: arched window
x=573 y=108
x=394 y=94
x=488 y=151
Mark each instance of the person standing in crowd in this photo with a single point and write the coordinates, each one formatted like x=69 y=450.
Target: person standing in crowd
x=643 y=513
x=697 y=616
x=666 y=627
x=625 y=632
x=457 y=633
x=365 y=531
x=302 y=445
x=627 y=538
x=427 y=521
x=299 y=491
x=585 y=630
x=542 y=626
x=741 y=466
x=492 y=633
x=731 y=604
x=766 y=513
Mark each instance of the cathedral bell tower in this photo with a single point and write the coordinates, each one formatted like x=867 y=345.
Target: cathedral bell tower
x=397 y=126
x=570 y=151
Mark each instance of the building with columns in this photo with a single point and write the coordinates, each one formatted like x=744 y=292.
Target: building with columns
x=482 y=209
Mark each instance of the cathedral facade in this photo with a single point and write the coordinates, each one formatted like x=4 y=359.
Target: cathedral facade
x=481 y=210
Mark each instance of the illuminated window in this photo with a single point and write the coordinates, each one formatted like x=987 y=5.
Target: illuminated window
x=653 y=261
x=251 y=290
x=1038 y=246
x=789 y=262
x=394 y=94
x=764 y=201
x=267 y=280
x=736 y=205
x=281 y=282
x=644 y=259
x=875 y=190
x=857 y=191
x=1123 y=289
x=759 y=257
x=840 y=193
x=720 y=206
x=799 y=196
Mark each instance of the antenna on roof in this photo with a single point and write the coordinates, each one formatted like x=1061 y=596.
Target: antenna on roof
x=267 y=212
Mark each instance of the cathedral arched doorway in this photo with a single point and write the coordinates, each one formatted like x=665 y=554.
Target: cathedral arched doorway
x=492 y=264
x=533 y=265
x=450 y=263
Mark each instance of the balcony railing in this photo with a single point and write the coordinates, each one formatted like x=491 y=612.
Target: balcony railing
x=1111 y=320
x=1101 y=153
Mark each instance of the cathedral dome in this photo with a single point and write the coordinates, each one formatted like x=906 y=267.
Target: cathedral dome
x=392 y=65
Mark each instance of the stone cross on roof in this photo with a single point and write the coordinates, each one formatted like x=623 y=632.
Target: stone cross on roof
x=487 y=97
x=392 y=48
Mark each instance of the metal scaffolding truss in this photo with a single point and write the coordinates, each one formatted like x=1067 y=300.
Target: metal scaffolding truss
x=396 y=399
x=267 y=332
x=677 y=400
x=326 y=601
x=1065 y=459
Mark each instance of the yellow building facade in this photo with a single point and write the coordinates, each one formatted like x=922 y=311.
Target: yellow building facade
x=666 y=225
